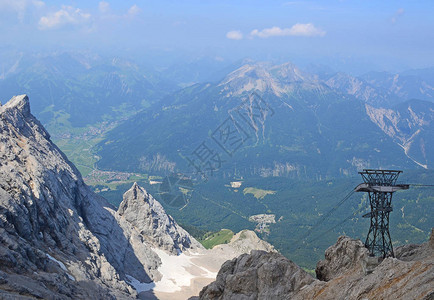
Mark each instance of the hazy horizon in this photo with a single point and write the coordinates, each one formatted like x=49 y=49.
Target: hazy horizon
x=351 y=36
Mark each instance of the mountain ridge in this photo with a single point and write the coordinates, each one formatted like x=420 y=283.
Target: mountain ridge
x=310 y=127
x=53 y=225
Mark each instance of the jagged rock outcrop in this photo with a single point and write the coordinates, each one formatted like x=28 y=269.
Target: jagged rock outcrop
x=50 y=218
x=58 y=239
x=243 y=242
x=148 y=216
x=346 y=255
x=393 y=278
x=260 y=275
x=415 y=252
x=410 y=276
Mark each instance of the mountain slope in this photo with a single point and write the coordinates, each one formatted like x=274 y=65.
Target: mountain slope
x=362 y=90
x=290 y=123
x=72 y=89
x=58 y=238
x=412 y=84
x=410 y=124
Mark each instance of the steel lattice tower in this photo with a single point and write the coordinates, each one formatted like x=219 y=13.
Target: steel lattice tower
x=380 y=185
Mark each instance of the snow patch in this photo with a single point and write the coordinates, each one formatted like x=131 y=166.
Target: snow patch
x=139 y=286
x=178 y=271
x=61 y=265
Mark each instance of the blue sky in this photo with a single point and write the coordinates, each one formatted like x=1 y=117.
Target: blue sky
x=381 y=34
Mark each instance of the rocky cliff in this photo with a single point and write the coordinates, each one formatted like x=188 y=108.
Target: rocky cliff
x=410 y=125
x=147 y=215
x=60 y=240
x=346 y=273
x=259 y=275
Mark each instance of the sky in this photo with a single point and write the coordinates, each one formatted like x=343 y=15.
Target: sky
x=381 y=35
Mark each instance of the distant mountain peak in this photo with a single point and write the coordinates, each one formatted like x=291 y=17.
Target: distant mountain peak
x=249 y=78
x=289 y=72
x=265 y=77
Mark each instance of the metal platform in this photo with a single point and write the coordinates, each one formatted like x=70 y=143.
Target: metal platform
x=380 y=185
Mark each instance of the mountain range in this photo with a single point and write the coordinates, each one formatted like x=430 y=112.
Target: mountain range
x=59 y=240
x=79 y=89
x=301 y=136
x=288 y=123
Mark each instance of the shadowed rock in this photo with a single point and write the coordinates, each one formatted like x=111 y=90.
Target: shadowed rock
x=53 y=228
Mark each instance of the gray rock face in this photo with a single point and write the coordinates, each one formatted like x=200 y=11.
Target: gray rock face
x=347 y=254
x=147 y=215
x=243 y=242
x=415 y=252
x=260 y=275
x=358 y=88
x=45 y=208
x=393 y=278
x=57 y=238
x=264 y=275
x=407 y=124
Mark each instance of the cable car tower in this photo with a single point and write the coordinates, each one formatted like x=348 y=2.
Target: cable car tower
x=380 y=185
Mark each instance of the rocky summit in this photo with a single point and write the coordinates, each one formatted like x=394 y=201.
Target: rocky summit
x=147 y=215
x=347 y=272
x=60 y=240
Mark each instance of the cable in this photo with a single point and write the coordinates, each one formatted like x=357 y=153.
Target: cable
x=220 y=205
x=346 y=219
x=419 y=184
x=323 y=218
x=340 y=223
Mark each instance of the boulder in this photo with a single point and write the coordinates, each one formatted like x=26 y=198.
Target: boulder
x=347 y=254
x=259 y=275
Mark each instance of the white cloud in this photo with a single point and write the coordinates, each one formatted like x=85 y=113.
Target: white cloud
x=397 y=14
x=66 y=15
x=297 y=30
x=134 y=10
x=234 y=35
x=103 y=7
